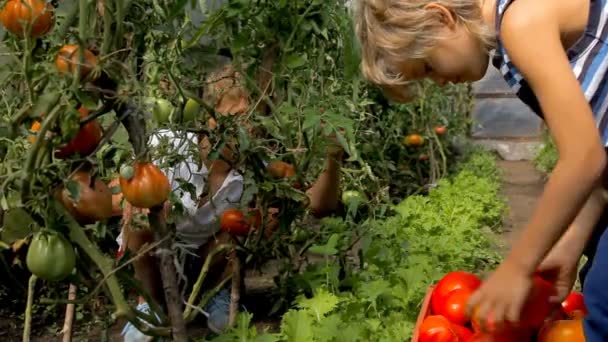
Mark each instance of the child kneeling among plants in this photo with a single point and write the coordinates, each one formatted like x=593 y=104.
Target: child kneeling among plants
x=553 y=55
x=201 y=226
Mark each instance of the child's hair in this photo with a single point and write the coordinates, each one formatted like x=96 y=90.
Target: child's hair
x=393 y=31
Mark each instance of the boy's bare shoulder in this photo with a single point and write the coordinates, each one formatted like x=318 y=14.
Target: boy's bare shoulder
x=525 y=17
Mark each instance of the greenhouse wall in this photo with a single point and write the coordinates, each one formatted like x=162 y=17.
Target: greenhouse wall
x=499 y=114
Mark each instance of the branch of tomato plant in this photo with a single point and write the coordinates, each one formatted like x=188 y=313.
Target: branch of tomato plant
x=122 y=309
x=67 y=22
x=106 y=43
x=18 y=119
x=26 y=177
x=27 y=324
x=442 y=154
x=235 y=296
x=201 y=278
x=206 y=298
x=168 y=273
x=27 y=54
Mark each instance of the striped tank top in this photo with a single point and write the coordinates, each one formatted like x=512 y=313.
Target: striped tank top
x=588 y=58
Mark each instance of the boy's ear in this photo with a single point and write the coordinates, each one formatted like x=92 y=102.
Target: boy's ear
x=445 y=15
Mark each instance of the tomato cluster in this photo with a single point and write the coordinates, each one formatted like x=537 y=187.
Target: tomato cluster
x=448 y=321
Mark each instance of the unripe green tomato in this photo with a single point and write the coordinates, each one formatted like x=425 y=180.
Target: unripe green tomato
x=50 y=256
x=161 y=109
x=353 y=197
x=192 y=110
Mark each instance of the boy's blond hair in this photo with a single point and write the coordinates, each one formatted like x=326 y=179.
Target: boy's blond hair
x=392 y=32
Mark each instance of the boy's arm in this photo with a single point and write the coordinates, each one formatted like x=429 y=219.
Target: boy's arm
x=324 y=193
x=533 y=42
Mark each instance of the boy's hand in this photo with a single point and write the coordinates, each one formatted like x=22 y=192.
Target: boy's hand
x=561 y=271
x=502 y=296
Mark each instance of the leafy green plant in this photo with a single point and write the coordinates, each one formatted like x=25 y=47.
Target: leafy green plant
x=400 y=257
x=547 y=155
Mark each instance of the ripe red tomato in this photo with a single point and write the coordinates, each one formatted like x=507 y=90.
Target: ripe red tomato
x=436 y=328
x=508 y=335
x=455 y=306
x=68 y=60
x=535 y=311
x=476 y=322
x=562 y=331
x=144 y=185
x=33 y=15
x=413 y=140
x=537 y=307
x=574 y=302
x=450 y=282
x=463 y=333
x=234 y=222
x=85 y=141
x=440 y=130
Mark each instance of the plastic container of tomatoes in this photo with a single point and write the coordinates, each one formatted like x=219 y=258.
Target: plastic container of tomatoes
x=425 y=311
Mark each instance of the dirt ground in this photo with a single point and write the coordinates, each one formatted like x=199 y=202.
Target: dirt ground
x=522 y=186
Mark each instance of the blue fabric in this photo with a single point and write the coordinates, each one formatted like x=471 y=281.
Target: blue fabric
x=218 y=309
x=594 y=279
x=131 y=333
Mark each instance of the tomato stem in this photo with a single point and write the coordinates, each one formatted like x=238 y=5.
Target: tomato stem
x=188 y=316
x=27 y=325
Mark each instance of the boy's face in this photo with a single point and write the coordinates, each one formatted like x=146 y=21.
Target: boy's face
x=457 y=57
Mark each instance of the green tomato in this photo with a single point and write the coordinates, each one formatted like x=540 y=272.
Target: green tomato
x=161 y=109
x=353 y=197
x=192 y=110
x=50 y=256
x=300 y=235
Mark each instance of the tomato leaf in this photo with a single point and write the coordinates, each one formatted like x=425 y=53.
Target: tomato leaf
x=296 y=61
x=17 y=224
x=329 y=248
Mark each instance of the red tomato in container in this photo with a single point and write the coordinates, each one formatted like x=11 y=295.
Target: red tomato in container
x=463 y=333
x=450 y=282
x=508 y=335
x=537 y=307
x=455 y=306
x=574 y=302
x=436 y=328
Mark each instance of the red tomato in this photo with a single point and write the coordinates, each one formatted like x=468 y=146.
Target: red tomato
x=509 y=335
x=440 y=130
x=436 y=328
x=463 y=333
x=574 y=302
x=562 y=331
x=475 y=322
x=234 y=222
x=536 y=310
x=455 y=306
x=450 y=282
x=537 y=307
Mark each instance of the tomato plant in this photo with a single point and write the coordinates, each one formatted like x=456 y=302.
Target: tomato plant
x=455 y=305
x=562 y=331
x=68 y=60
x=144 y=185
x=50 y=256
x=436 y=328
x=93 y=198
x=575 y=301
x=450 y=282
x=33 y=17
